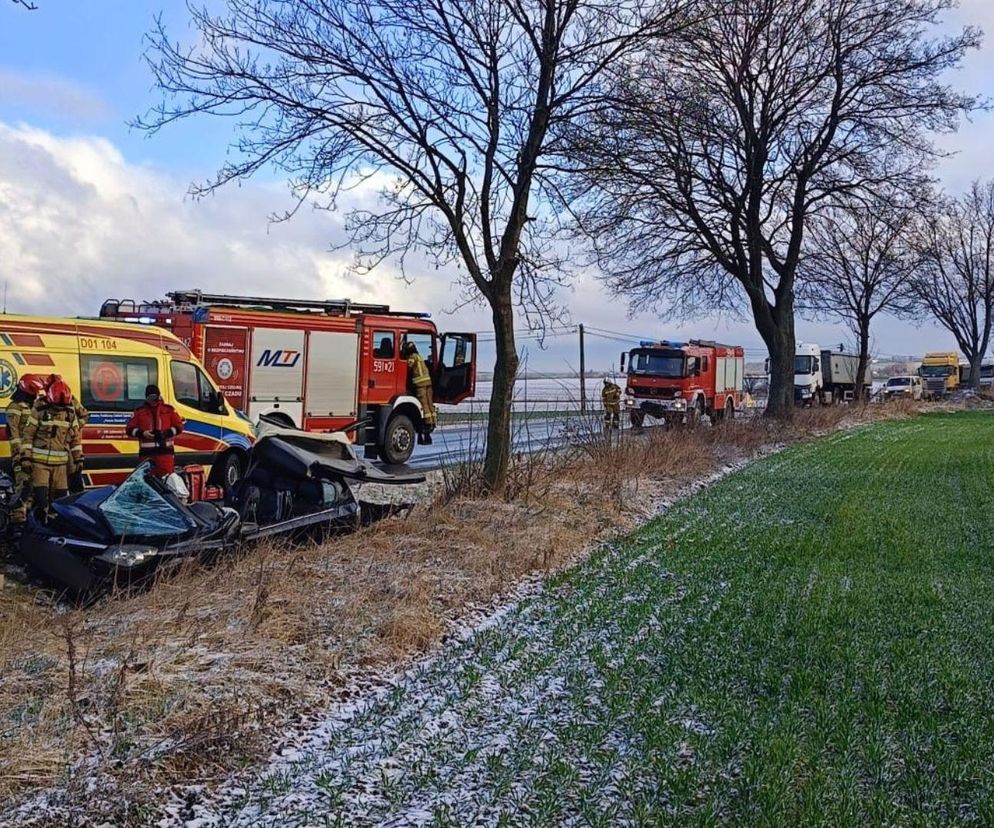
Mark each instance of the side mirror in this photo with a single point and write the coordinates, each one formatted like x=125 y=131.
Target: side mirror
x=621 y=362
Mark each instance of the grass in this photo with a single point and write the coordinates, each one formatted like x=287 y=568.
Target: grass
x=807 y=642
x=196 y=678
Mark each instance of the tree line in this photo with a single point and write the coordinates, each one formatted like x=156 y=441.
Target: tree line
x=767 y=157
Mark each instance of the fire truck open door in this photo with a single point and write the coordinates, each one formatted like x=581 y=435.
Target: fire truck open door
x=455 y=376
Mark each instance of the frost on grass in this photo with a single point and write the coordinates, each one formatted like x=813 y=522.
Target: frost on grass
x=793 y=645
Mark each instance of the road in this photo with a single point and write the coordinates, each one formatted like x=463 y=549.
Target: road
x=457 y=442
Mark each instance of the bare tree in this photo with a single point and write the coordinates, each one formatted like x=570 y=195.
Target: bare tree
x=730 y=134
x=955 y=282
x=27 y=4
x=456 y=103
x=857 y=262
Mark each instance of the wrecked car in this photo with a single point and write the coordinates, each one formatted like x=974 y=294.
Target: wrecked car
x=295 y=483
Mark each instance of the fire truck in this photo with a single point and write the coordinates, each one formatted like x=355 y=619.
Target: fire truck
x=315 y=365
x=683 y=381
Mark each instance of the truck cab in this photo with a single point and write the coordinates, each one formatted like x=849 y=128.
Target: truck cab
x=808 y=380
x=940 y=373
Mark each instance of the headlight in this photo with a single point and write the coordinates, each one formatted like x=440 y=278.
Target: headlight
x=679 y=405
x=805 y=394
x=127 y=555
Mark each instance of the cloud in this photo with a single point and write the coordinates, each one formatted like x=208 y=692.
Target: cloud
x=79 y=224
x=53 y=95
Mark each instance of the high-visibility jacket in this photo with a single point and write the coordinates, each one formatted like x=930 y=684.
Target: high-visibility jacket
x=417 y=371
x=18 y=414
x=611 y=394
x=52 y=437
x=162 y=421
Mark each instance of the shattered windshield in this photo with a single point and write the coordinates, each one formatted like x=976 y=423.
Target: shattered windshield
x=135 y=508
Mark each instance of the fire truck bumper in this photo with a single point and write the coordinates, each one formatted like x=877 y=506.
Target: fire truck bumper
x=658 y=408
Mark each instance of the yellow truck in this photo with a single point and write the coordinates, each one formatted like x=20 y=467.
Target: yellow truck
x=107 y=366
x=940 y=373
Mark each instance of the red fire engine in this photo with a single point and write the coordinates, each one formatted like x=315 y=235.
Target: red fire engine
x=676 y=380
x=316 y=365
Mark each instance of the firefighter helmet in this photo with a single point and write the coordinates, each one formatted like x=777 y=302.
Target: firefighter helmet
x=31 y=384
x=58 y=393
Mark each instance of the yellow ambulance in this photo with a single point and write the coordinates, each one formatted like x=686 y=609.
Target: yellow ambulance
x=107 y=366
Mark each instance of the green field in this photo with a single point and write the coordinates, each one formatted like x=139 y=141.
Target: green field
x=809 y=642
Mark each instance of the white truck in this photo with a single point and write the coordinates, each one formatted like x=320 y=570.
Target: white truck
x=822 y=376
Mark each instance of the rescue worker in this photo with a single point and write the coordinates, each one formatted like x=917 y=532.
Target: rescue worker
x=419 y=379
x=22 y=403
x=52 y=446
x=81 y=413
x=611 y=398
x=155 y=425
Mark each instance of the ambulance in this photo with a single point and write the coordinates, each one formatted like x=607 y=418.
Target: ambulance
x=107 y=365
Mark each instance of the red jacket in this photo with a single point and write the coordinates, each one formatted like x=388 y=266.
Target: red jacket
x=161 y=419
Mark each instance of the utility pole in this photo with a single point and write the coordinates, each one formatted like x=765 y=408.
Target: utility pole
x=583 y=375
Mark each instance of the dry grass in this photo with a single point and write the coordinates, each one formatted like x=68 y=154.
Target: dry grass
x=192 y=678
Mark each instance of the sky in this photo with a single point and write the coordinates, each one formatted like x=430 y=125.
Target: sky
x=91 y=209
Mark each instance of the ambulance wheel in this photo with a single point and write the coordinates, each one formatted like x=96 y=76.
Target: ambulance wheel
x=227 y=471
x=398 y=440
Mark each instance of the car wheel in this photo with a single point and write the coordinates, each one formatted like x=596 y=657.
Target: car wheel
x=398 y=440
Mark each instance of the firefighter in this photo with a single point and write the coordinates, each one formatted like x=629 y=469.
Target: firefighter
x=419 y=379
x=52 y=446
x=22 y=403
x=81 y=413
x=155 y=425
x=611 y=398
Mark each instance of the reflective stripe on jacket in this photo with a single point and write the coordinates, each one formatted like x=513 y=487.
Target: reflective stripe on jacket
x=611 y=394
x=52 y=436
x=161 y=419
x=18 y=414
x=417 y=371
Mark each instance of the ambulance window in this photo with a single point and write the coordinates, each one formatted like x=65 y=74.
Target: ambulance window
x=192 y=388
x=424 y=341
x=383 y=344
x=116 y=383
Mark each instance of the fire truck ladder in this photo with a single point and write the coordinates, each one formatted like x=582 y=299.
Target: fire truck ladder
x=333 y=307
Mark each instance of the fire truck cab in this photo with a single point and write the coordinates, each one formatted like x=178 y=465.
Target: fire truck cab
x=677 y=381
x=316 y=365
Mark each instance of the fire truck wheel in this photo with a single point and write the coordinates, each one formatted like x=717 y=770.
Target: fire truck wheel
x=729 y=409
x=398 y=440
x=697 y=413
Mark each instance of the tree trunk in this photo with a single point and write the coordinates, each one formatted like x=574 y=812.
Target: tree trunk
x=498 y=453
x=975 y=362
x=864 y=359
x=776 y=326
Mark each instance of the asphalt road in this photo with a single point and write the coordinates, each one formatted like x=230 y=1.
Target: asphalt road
x=458 y=442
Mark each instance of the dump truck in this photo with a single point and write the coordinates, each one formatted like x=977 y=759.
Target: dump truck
x=677 y=381
x=822 y=376
x=940 y=373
